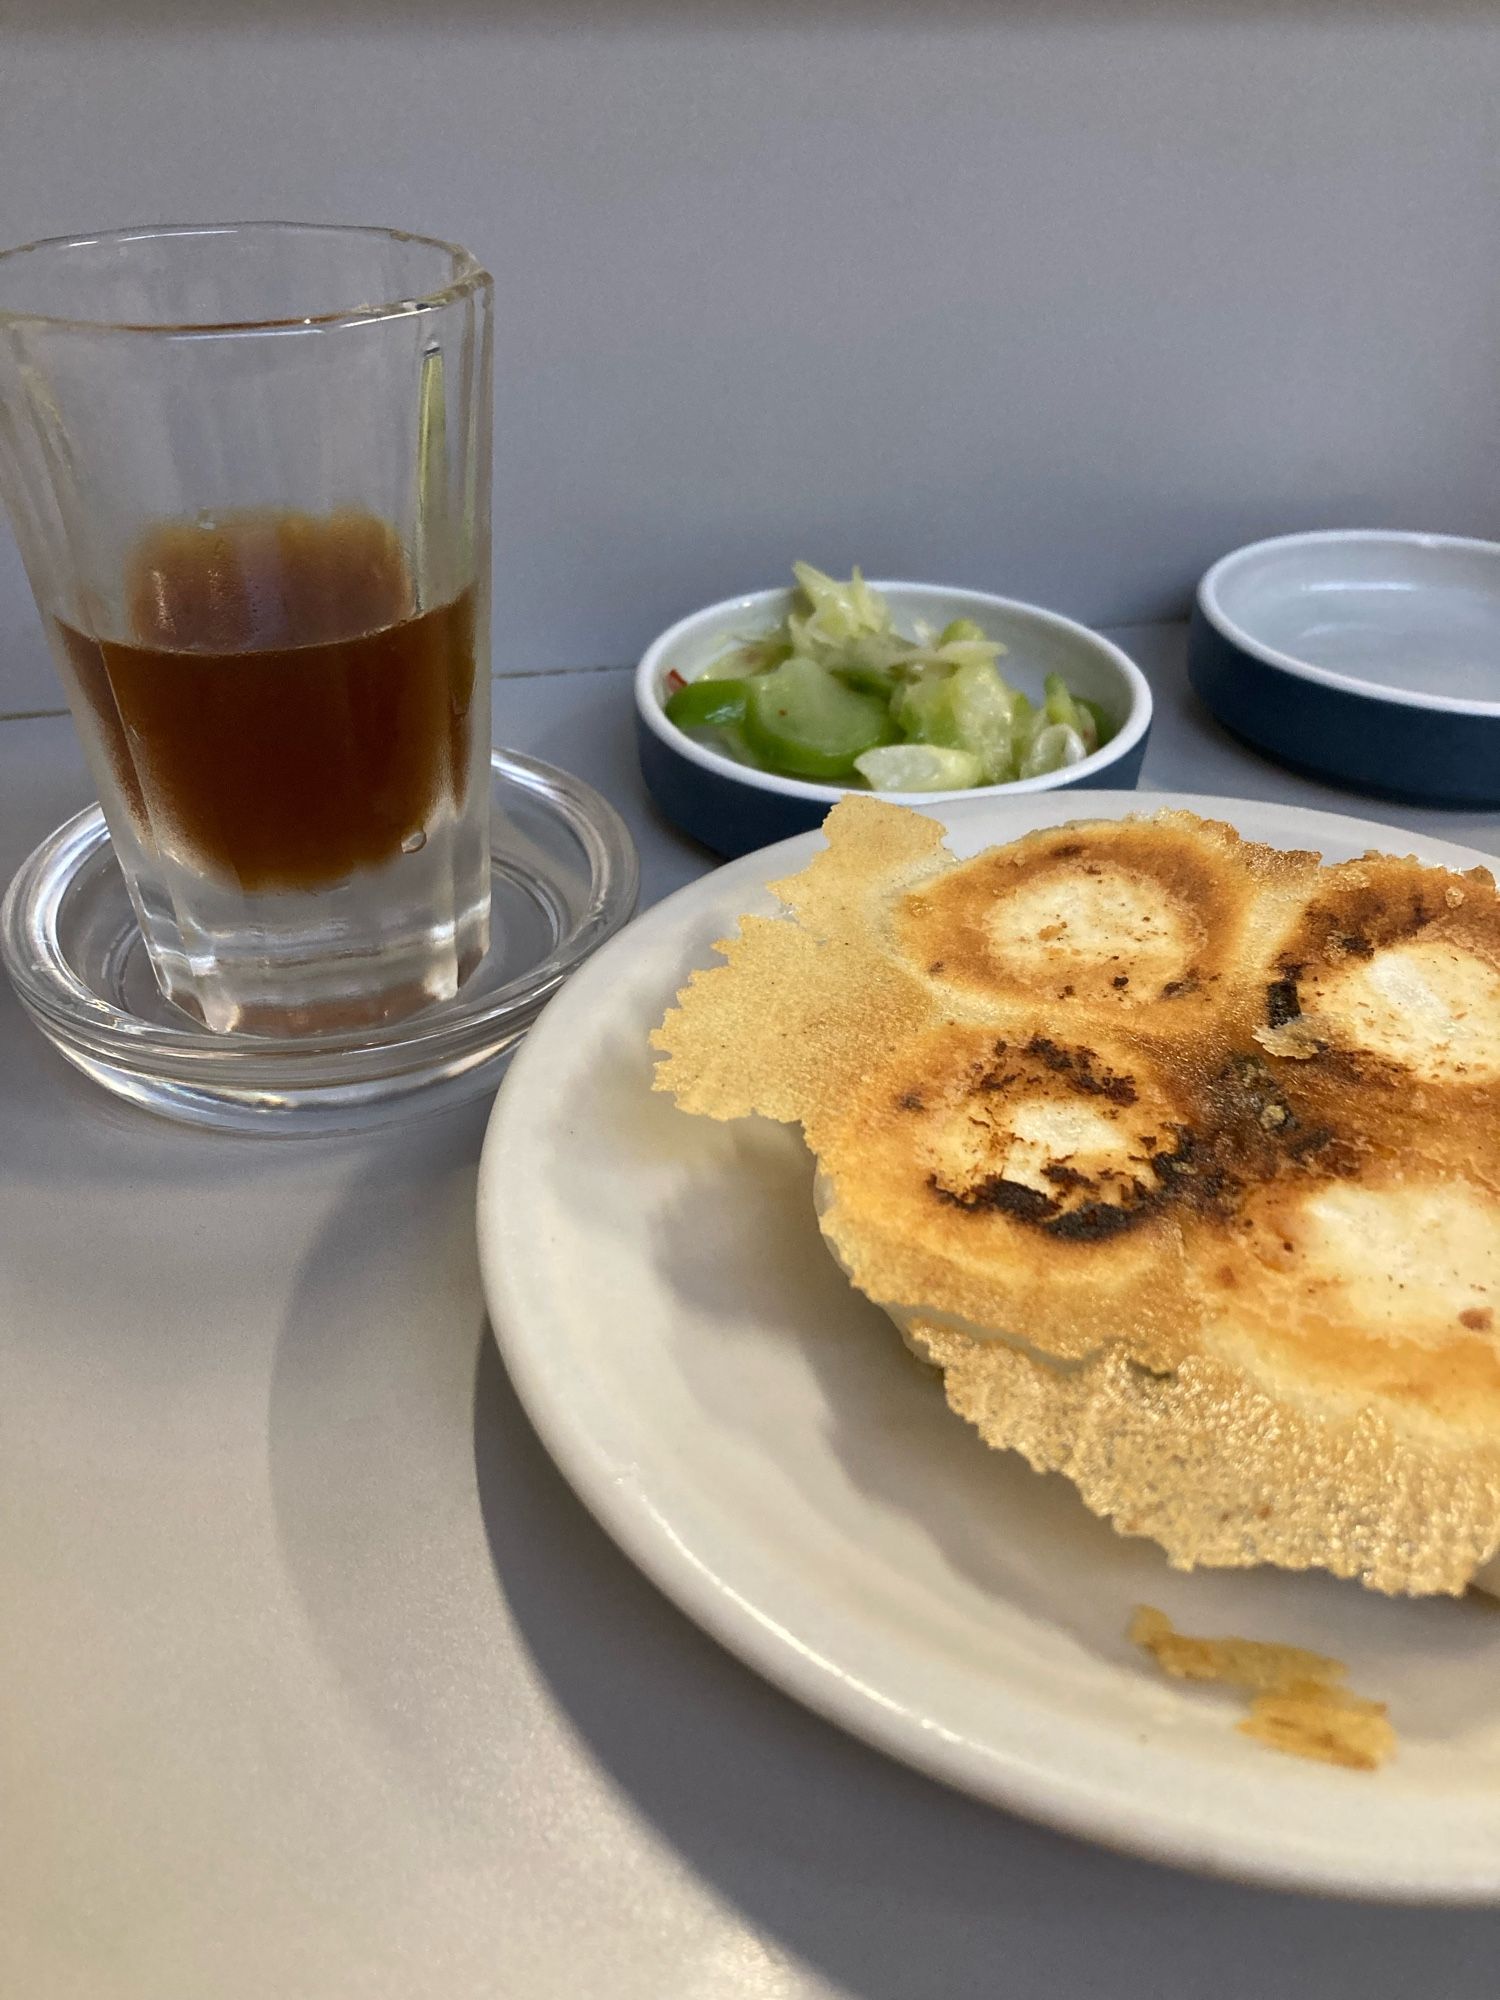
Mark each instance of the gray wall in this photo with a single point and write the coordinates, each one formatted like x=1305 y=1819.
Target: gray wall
x=1061 y=299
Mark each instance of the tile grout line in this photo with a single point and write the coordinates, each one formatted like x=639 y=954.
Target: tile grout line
x=559 y=673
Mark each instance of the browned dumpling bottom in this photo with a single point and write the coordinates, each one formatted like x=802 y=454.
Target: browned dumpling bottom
x=1179 y=1155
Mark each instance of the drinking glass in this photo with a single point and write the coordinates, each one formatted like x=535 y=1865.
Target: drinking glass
x=248 y=470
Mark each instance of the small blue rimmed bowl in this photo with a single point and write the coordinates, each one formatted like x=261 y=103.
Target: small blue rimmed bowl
x=733 y=808
x=1368 y=657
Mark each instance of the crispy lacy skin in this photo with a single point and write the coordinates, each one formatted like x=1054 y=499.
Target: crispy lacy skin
x=1179 y=1155
x=1297 y=1701
x=1223 y=1474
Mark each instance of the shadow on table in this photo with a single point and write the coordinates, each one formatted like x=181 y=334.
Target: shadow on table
x=894 y=1888
x=366 y=1426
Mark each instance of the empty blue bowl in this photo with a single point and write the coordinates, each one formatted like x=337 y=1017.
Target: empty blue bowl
x=1368 y=657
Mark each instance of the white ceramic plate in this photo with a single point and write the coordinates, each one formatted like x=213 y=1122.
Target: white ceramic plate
x=755 y=1436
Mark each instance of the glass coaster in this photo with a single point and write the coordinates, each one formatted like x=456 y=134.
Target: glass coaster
x=564 y=877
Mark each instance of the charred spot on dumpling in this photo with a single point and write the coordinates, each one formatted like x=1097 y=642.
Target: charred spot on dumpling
x=1125 y=916
x=1283 y=1002
x=1023 y=1192
x=1084 y=1175
x=1262 y=1115
x=1085 y=1070
x=1394 y=967
x=1064 y=1137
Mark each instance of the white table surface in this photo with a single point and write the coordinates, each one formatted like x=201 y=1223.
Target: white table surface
x=315 y=1681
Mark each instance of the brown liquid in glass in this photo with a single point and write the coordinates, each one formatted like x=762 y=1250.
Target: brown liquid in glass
x=282 y=713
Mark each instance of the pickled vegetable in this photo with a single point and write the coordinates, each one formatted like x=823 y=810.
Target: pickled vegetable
x=918 y=767
x=710 y=704
x=1051 y=748
x=1104 y=728
x=837 y=695
x=803 y=720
